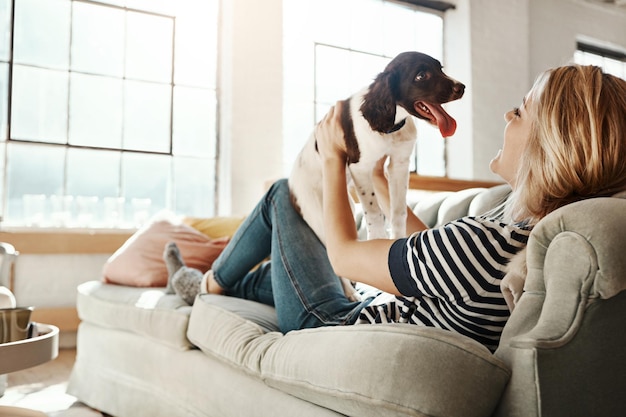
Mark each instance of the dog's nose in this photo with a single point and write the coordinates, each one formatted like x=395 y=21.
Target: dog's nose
x=458 y=89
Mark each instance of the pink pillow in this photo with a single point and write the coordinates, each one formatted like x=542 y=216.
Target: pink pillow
x=139 y=261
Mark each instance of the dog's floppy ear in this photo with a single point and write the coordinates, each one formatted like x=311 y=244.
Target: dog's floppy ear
x=379 y=105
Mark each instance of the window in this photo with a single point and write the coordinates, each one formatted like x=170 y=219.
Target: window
x=612 y=61
x=329 y=57
x=107 y=110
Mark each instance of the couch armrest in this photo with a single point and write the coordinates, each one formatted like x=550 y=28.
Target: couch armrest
x=575 y=257
x=564 y=340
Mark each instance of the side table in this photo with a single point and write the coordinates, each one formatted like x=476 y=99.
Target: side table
x=15 y=356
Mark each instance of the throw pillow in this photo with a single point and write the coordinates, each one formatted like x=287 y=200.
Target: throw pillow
x=139 y=261
x=215 y=226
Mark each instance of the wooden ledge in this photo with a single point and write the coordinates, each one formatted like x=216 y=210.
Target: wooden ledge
x=426 y=183
x=59 y=241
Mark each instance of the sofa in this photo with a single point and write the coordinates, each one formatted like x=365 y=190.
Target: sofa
x=142 y=352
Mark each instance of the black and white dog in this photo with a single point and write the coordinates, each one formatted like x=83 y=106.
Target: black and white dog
x=377 y=122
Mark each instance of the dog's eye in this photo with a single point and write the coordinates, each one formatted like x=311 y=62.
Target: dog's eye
x=422 y=75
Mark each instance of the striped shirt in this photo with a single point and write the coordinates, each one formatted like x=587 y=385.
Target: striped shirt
x=450 y=278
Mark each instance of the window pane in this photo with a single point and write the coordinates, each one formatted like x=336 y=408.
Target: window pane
x=366 y=30
x=194 y=122
x=34 y=172
x=340 y=73
x=39 y=104
x=364 y=68
x=194 y=182
x=93 y=173
x=147 y=116
x=332 y=74
x=120 y=3
x=429 y=34
x=97 y=39
x=157 y=6
x=399 y=24
x=608 y=65
x=593 y=59
x=194 y=68
x=93 y=180
x=149 y=47
x=430 y=150
x=333 y=14
x=614 y=67
x=145 y=180
x=95 y=111
x=579 y=57
x=4 y=100
x=42 y=33
x=5 y=29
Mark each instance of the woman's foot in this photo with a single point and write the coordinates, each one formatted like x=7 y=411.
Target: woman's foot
x=186 y=283
x=173 y=261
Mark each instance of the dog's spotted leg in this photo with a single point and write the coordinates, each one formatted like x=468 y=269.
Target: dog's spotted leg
x=398 y=170
x=372 y=213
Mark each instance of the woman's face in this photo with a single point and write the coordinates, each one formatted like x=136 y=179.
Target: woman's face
x=516 y=134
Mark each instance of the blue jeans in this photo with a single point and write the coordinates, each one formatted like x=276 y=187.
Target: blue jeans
x=298 y=280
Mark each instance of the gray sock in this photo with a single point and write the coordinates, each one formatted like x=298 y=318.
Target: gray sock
x=186 y=283
x=173 y=262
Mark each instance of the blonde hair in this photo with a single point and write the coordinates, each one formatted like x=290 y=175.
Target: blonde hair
x=577 y=145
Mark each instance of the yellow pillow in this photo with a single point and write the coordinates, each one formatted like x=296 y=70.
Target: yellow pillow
x=215 y=227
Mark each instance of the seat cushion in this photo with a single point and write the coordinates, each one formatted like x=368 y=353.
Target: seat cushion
x=148 y=312
x=364 y=370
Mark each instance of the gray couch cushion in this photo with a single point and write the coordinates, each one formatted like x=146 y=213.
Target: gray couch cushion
x=261 y=314
x=367 y=370
x=440 y=208
x=144 y=311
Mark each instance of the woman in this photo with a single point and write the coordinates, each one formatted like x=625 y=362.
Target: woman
x=566 y=142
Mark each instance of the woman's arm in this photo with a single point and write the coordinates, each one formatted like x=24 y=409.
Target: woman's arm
x=381 y=187
x=363 y=261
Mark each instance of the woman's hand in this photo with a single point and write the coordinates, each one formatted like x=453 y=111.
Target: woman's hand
x=329 y=135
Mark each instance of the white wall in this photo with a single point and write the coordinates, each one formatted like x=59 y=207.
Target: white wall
x=251 y=102
x=556 y=25
x=500 y=47
x=493 y=58
x=496 y=47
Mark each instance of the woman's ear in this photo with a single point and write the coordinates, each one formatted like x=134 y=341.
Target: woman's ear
x=379 y=105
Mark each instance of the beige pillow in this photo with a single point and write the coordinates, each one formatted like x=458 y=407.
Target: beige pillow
x=215 y=227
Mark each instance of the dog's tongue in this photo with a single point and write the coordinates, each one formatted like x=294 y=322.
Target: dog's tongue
x=445 y=122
